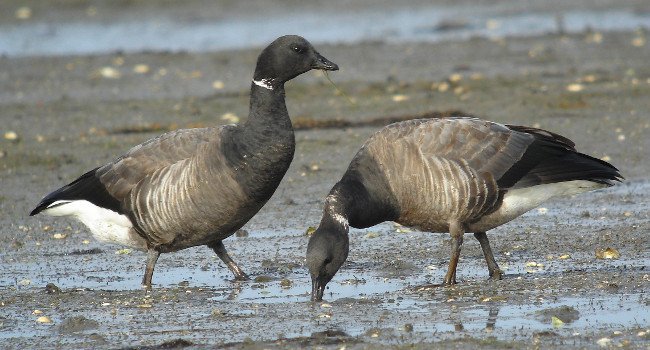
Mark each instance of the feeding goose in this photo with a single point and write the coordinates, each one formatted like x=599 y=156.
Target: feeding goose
x=456 y=175
x=195 y=187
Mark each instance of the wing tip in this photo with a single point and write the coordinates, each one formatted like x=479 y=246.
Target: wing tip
x=39 y=208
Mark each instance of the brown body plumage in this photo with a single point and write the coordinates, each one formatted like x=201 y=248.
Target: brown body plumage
x=453 y=175
x=195 y=186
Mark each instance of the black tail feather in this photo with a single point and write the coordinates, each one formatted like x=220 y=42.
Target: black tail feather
x=86 y=187
x=571 y=166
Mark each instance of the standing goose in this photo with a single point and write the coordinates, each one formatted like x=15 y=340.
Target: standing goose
x=195 y=187
x=451 y=175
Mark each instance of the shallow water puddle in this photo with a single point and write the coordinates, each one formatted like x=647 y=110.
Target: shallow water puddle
x=589 y=314
x=346 y=285
x=422 y=24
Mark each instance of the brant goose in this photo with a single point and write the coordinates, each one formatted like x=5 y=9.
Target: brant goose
x=456 y=175
x=193 y=187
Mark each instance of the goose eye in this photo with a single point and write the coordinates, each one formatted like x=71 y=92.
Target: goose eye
x=297 y=49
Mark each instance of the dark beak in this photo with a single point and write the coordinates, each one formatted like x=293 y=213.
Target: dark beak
x=317 y=289
x=323 y=63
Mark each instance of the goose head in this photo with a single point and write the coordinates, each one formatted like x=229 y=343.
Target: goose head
x=286 y=58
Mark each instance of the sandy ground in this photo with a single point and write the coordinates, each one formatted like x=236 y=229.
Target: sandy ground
x=69 y=115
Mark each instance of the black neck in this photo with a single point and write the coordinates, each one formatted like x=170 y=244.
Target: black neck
x=352 y=200
x=268 y=110
x=262 y=148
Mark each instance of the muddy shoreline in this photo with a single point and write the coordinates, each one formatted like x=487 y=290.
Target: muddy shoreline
x=69 y=115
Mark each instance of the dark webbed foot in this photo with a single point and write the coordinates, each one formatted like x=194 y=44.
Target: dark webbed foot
x=238 y=273
x=220 y=249
x=493 y=268
x=496 y=275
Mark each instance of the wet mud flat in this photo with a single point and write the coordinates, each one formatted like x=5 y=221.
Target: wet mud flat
x=576 y=269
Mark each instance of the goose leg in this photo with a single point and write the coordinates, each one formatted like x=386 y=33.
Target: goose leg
x=493 y=268
x=457 y=232
x=152 y=257
x=219 y=248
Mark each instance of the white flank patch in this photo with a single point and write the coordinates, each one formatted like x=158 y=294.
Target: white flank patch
x=519 y=201
x=524 y=199
x=265 y=83
x=105 y=225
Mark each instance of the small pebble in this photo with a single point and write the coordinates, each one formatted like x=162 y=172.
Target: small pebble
x=37 y=312
x=11 y=136
x=91 y=11
x=286 y=283
x=556 y=322
x=24 y=282
x=595 y=38
x=109 y=73
x=44 y=320
x=217 y=313
x=492 y=24
x=141 y=68
x=230 y=117
x=454 y=78
x=589 y=78
x=23 y=13
x=604 y=342
x=638 y=42
x=542 y=210
x=52 y=288
x=263 y=279
x=59 y=236
x=477 y=76
x=400 y=98
x=575 y=87
x=607 y=253
x=218 y=85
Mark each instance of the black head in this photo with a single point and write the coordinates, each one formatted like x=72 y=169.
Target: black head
x=286 y=58
x=327 y=250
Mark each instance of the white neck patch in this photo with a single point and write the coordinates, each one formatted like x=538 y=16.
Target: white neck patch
x=265 y=83
x=341 y=220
